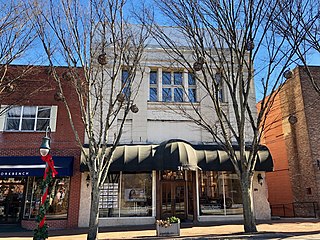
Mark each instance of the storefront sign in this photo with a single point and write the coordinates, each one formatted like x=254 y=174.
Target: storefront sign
x=13 y=173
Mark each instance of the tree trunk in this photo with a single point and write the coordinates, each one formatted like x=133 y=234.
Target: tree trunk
x=248 y=213
x=94 y=211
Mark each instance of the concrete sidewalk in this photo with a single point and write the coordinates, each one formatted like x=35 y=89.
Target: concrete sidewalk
x=292 y=229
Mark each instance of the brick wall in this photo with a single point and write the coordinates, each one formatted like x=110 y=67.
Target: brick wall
x=39 y=89
x=295 y=146
x=278 y=181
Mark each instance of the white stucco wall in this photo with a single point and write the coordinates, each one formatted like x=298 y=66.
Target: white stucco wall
x=260 y=198
x=85 y=201
x=157 y=122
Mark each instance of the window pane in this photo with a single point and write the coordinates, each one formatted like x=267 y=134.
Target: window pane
x=109 y=196
x=178 y=95
x=166 y=78
x=29 y=112
x=60 y=200
x=191 y=79
x=192 y=95
x=127 y=93
x=153 y=95
x=177 y=78
x=218 y=78
x=166 y=95
x=27 y=124
x=42 y=124
x=153 y=77
x=126 y=84
x=44 y=112
x=124 y=77
x=220 y=95
x=13 y=124
x=14 y=112
x=136 y=195
x=220 y=193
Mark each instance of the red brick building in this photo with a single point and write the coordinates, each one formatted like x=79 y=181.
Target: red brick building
x=34 y=106
x=294 y=142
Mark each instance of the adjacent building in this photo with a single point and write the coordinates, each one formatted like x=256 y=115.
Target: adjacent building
x=30 y=106
x=294 y=142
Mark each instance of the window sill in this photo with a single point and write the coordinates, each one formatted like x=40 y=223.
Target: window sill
x=19 y=131
x=174 y=103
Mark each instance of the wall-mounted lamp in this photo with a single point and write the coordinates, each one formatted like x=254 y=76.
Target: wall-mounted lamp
x=260 y=179
x=88 y=180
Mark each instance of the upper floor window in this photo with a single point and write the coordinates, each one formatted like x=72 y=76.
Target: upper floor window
x=172 y=86
x=153 y=87
x=192 y=87
x=172 y=89
x=28 y=118
x=218 y=79
x=125 y=84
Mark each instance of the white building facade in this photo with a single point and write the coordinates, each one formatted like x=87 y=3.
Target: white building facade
x=166 y=164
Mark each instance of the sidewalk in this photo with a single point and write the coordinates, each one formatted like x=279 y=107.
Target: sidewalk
x=292 y=229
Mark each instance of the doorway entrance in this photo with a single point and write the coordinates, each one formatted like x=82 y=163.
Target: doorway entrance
x=176 y=195
x=11 y=199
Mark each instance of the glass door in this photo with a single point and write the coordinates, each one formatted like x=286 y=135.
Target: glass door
x=173 y=195
x=173 y=200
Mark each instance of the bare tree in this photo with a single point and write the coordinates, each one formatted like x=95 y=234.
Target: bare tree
x=299 y=23
x=231 y=43
x=16 y=37
x=96 y=38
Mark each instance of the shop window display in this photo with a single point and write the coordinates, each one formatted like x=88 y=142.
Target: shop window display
x=126 y=195
x=11 y=199
x=220 y=193
x=58 y=194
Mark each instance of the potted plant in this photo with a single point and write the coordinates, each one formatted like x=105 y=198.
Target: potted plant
x=168 y=227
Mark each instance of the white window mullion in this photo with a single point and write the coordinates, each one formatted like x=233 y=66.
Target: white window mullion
x=3 y=117
x=21 y=117
x=172 y=86
x=185 y=85
x=159 y=82
x=36 y=119
x=53 y=118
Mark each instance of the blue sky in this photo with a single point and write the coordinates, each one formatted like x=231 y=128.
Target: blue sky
x=36 y=55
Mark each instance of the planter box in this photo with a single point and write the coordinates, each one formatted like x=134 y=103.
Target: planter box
x=172 y=230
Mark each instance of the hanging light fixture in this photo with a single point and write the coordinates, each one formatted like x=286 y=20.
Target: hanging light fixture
x=134 y=108
x=250 y=45
x=198 y=65
x=45 y=145
x=288 y=74
x=120 y=97
x=102 y=59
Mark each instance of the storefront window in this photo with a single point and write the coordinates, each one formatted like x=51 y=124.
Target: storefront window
x=126 y=195
x=220 y=193
x=58 y=194
x=11 y=199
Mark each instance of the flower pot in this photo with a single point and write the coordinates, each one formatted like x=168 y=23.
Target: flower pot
x=172 y=230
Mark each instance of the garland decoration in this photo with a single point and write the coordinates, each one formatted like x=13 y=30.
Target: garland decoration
x=41 y=232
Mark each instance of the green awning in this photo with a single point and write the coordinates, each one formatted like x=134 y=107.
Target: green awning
x=179 y=155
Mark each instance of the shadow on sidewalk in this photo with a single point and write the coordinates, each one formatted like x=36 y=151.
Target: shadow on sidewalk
x=16 y=231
